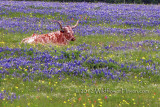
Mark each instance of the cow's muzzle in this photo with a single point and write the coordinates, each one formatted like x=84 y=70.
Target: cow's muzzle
x=73 y=39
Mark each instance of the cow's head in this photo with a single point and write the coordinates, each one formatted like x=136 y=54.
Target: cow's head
x=67 y=31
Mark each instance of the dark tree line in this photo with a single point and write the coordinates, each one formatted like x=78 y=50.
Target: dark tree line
x=107 y=1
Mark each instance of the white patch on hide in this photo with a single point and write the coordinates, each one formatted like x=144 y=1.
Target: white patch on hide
x=30 y=40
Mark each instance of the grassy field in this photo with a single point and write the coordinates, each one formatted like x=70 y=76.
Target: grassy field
x=111 y=69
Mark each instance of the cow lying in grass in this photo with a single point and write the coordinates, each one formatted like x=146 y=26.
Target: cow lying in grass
x=61 y=37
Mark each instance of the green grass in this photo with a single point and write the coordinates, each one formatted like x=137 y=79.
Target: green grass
x=73 y=92
x=126 y=26
x=134 y=91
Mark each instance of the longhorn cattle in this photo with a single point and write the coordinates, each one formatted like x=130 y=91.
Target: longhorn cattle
x=61 y=37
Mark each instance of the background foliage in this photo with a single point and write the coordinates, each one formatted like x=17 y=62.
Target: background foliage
x=106 y=1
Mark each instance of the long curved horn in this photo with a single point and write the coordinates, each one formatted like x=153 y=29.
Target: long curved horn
x=58 y=23
x=75 y=24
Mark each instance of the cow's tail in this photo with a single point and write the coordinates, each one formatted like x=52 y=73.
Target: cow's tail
x=24 y=40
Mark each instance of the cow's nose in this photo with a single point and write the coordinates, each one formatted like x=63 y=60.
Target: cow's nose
x=73 y=39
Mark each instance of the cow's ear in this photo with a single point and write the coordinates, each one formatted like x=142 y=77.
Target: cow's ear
x=62 y=31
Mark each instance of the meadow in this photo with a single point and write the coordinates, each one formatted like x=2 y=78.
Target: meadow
x=114 y=62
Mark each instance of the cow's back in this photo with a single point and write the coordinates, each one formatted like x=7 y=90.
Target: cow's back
x=53 y=38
